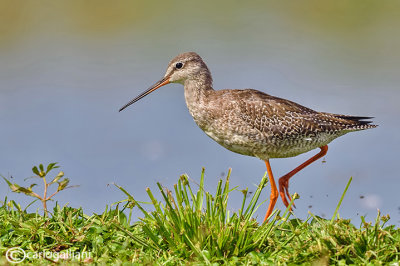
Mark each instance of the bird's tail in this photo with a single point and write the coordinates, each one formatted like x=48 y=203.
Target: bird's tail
x=357 y=122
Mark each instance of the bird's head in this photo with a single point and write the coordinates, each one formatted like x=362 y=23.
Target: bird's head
x=186 y=66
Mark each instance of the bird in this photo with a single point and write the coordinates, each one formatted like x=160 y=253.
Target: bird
x=254 y=123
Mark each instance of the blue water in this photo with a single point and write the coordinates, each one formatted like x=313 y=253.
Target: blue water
x=61 y=87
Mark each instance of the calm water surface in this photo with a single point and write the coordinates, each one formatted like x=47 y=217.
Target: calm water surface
x=67 y=67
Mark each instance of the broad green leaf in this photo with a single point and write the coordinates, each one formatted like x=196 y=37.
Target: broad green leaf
x=42 y=172
x=51 y=166
x=35 y=171
x=27 y=191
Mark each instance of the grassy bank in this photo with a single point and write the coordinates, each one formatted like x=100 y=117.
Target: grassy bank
x=191 y=226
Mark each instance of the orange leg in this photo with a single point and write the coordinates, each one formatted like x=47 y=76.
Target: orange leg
x=284 y=180
x=274 y=191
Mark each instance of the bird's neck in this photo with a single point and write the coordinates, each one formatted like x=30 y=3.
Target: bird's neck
x=198 y=88
x=197 y=92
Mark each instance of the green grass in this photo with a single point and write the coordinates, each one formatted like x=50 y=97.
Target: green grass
x=190 y=226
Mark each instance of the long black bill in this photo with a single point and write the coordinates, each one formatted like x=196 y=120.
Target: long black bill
x=162 y=82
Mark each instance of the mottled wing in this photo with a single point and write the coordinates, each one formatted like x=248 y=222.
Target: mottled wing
x=282 y=118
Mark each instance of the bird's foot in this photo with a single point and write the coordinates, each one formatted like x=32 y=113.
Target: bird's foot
x=284 y=192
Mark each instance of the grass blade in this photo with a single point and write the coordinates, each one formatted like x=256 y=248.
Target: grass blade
x=341 y=199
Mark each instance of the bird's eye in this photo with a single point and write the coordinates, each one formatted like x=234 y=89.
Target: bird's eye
x=179 y=65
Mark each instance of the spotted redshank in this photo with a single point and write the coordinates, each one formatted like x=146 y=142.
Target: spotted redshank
x=253 y=123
